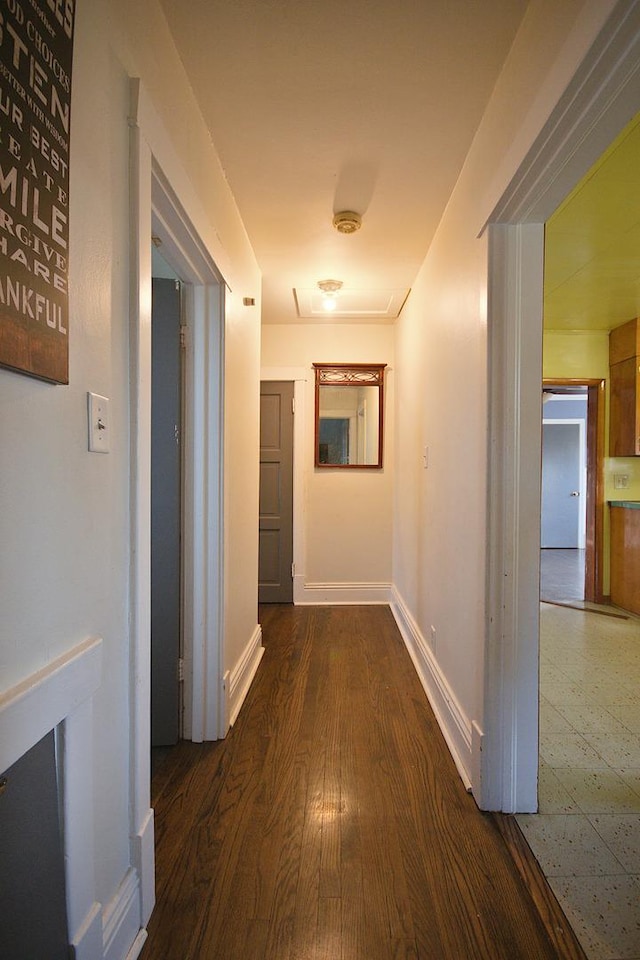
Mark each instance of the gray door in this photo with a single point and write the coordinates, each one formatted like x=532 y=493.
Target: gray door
x=33 y=912
x=276 y=492
x=560 y=485
x=166 y=394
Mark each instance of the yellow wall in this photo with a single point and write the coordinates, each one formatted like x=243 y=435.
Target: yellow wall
x=585 y=354
x=577 y=353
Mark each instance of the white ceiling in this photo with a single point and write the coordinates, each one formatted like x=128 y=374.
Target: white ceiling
x=317 y=106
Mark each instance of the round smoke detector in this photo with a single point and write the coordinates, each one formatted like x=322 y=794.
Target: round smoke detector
x=347 y=221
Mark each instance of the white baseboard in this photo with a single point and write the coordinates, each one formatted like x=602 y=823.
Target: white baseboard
x=243 y=673
x=338 y=593
x=121 y=919
x=144 y=863
x=454 y=724
x=125 y=918
x=477 y=745
x=298 y=588
x=225 y=709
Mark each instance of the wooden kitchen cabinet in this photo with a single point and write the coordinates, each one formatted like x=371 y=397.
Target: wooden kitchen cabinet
x=625 y=555
x=624 y=370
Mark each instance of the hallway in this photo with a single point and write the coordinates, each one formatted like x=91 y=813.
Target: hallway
x=331 y=823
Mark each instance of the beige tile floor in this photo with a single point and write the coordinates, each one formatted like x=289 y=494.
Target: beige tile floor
x=586 y=835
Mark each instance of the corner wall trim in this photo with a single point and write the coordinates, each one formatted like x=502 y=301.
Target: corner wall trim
x=243 y=673
x=87 y=940
x=143 y=861
x=137 y=945
x=455 y=726
x=338 y=593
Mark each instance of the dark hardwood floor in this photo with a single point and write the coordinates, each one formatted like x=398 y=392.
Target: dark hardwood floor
x=331 y=824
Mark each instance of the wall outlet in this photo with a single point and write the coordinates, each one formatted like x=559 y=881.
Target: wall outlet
x=620 y=481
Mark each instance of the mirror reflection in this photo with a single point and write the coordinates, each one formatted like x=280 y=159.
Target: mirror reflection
x=349 y=415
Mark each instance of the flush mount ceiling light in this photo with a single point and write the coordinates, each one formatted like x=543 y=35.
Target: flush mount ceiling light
x=379 y=304
x=347 y=221
x=329 y=290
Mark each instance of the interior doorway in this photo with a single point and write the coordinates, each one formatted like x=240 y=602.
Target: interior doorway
x=563 y=500
x=162 y=207
x=602 y=95
x=573 y=396
x=275 y=567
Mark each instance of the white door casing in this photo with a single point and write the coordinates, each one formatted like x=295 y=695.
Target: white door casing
x=163 y=204
x=602 y=97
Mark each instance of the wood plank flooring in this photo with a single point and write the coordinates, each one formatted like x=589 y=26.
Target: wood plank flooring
x=331 y=823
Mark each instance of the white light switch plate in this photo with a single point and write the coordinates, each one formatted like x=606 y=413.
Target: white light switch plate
x=99 y=426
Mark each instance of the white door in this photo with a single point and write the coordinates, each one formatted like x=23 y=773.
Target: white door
x=562 y=485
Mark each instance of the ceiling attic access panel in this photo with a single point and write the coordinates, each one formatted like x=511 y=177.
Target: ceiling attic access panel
x=349 y=415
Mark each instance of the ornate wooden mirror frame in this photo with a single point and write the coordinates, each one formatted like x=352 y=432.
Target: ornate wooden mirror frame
x=349 y=415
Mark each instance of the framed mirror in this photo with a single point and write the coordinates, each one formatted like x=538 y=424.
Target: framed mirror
x=349 y=414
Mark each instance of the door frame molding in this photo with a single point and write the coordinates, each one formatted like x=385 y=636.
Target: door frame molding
x=163 y=204
x=601 y=98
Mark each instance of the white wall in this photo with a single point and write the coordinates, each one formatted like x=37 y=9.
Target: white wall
x=65 y=513
x=345 y=514
x=439 y=539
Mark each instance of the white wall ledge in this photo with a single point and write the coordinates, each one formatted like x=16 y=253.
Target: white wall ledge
x=37 y=704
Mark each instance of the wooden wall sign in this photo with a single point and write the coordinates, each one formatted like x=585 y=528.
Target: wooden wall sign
x=36 y=48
